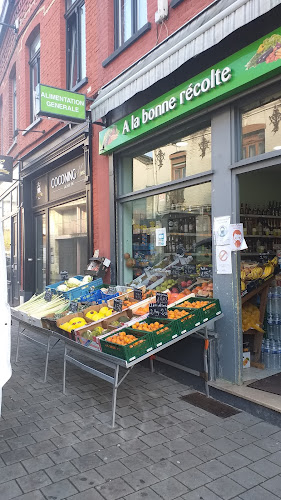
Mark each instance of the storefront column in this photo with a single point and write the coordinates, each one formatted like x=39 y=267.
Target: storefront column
x=226 y=285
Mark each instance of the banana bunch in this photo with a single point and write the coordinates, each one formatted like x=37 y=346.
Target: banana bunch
x=273 y=262
x=255 y=274
x=243 y=275
x=268 y=270
x=243 y=285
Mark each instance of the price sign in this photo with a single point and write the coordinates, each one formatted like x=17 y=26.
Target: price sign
x=64 y=275
x=158 y=311
x=176 y=271
x=206 y=272
x=137 y=294
x=111 y=290
x=73 y=306
x=161 y=299
x=48 y=295
x=190 y=269
x=117 y=305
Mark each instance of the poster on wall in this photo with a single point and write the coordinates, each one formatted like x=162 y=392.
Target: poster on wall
x=221 y=230
x=161 y=237
x=223 y=259
x=237 y=241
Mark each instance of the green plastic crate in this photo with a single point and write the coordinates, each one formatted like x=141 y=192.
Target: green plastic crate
x=131 y=351
x=159 y=336
x=208 y=311
x=192 y=319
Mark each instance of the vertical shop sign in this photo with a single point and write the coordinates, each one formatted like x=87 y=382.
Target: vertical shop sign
x=6 y=168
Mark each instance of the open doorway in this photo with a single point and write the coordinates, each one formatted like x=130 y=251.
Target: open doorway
x=260 y=213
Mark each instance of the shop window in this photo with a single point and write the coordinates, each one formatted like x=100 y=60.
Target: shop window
x=186 y=223
x=130 y=16
x=68 y=239
x=76 y=43
x=6 y=205
x=189 y=155
x=34 y=63
x=14 y=200
x=261 y=128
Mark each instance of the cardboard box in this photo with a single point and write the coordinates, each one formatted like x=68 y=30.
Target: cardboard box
x=246 y=359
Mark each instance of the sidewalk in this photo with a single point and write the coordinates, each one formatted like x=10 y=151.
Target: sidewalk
x=55 y=447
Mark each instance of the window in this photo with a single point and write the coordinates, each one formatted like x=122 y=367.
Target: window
x=14 y=103
x=130 y=16
x=34 y=62
x=76 y=42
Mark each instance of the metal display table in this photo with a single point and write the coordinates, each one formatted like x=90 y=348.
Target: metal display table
x=71 y=348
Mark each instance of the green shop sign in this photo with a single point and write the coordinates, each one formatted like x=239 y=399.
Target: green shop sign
x=61 y=103
x=251 y=65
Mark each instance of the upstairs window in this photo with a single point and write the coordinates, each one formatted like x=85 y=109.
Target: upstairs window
x=130 y=16
x=34 y=62
x=76 y=42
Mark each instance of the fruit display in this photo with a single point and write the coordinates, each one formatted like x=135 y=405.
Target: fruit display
x=204 y=289
x=73 y=283
x=104 y=312
x=147 y=327
x=96 y=332
x=251 y=271
x=176 y=314
x=122 y=338
x=119 y=322
x=195 y=305
x=268 y=51
x=251 y=317
x=169 y=283
x=73 y=323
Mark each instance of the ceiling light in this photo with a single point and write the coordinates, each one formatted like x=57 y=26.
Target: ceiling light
x=181 y=143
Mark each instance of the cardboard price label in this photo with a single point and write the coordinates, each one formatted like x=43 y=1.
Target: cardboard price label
x=137 y=294
x=48 y=295
x=73 y=306
x=117 y=305
x=206 y=272
x=158 y=311
x=161 y=299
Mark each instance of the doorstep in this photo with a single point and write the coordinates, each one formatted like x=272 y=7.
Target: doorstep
x=261 y=398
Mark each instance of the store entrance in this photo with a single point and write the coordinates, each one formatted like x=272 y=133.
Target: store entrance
x=260 y=213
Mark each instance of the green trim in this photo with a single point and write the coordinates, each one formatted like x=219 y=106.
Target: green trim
x=229 y=77
x=60 y=103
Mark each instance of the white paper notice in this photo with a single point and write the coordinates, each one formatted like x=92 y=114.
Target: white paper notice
x=221 y=230
x=236 y=237
x=161 y=237
x=223 y=259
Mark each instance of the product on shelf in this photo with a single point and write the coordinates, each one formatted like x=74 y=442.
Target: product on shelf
x=251 y=318
x=204 y=289
x=94 y=315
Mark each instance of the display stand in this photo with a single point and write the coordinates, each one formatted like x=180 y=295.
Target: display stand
x=262 y=290
x=72 y=348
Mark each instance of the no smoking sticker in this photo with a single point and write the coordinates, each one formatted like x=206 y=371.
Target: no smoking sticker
x=223 y=259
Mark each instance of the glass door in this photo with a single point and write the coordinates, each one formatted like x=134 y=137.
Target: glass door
x=40 y=252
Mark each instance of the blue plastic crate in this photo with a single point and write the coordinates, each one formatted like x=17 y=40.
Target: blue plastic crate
x=96 y=296
x=75 y=293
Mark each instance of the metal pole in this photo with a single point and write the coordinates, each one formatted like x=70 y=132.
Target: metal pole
x=18 y=343
x=206 y=346
x=47 y=359
x=151 y=364
x=64 y=369
x=114 y=395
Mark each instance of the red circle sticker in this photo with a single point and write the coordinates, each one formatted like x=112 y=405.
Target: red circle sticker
x=237 y=238
x=223 y=255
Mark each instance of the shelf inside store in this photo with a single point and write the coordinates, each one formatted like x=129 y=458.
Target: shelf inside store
x=262 y=236
x=206 y=235
x=256 y=216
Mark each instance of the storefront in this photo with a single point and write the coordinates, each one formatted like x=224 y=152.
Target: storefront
x=57 y=214
x=203 y=150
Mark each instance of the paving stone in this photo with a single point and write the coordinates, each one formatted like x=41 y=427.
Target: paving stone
x=44 y=435
x=87 y=447
x=4 y=447
x=146 y=415
x=137 y=461
x=91 y=494
x=12 y=457
x=86 y=480
x=21 y=442
x=149 y=427
x=164 y=411
x=62 y=429
x=246 y=418
x=26 y=429
x=214 y=469
x=184 y=415
x=242 y=438
x=109 y=440
x=33 y=495
x=11 y=472
x=198 y=438
x=185 y=460
x=163 y=469
x=41 y=462
x=270 y=444
x=258 y=493
x=233 y=425
x=157 y=453
x=178 y=445
x=47 y=423
x=9 y=490
x=166 y=421
x=114 y=490
x=63 y=454
x=41 y=448
x=205 y=452
x=216 y=431
x=273 y=485
x=265 y=468
x=112 y=470
x=87 y=462
x=173 y=432
x=225 y=488
x=224 y=445
x=34 y=481
x=133 y=446
x=146 y=493
x=193 y=478
x=169 y=488
x=153 y=439
x=202 y=493
x=234 y=460
x=130 y=433
x=140 y=478
x=246 y=477
x=262 y=430
x=191 y=426
x=253 y=452
x=61 y=471
x=60 y=490
x=66 y=440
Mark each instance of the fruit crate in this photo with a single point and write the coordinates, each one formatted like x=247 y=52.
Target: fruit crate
x=159 y=336
x=131 y=351
x=188 y=322
x=75 y=293
x=208 y=311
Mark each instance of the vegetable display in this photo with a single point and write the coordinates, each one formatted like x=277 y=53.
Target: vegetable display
x=37 y=306
x=268 y=51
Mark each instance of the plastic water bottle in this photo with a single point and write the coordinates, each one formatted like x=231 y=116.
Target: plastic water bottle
x=266 y=354
x=270 y=304
x=274 y=355
x=270 y=328
x=279 y=354
x=262 y=350
x=278 y=301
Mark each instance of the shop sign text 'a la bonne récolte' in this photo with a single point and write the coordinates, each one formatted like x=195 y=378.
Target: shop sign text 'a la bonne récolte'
x=240 y=71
